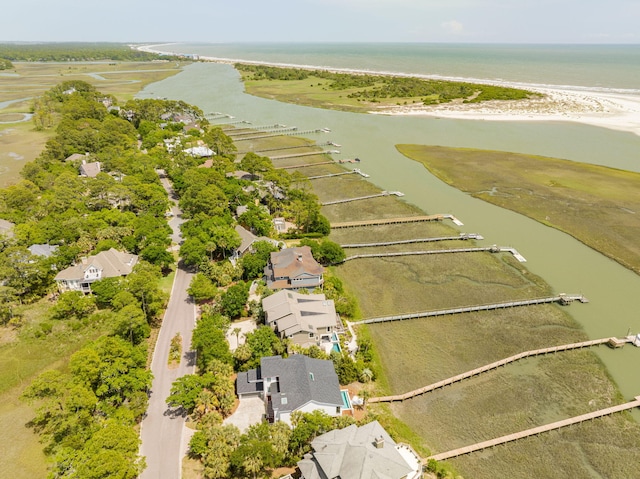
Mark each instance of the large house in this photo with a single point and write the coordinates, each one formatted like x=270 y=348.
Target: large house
x=365 y=452
x=106 y=264
x=293 y=268
x=306 y=319
x=296 y=383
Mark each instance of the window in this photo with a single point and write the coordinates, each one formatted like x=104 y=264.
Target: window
x=311 y=335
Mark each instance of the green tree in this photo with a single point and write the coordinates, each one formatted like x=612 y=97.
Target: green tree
x=202 y=288
x=234 y=300
x=73 y=305
x=210 y=342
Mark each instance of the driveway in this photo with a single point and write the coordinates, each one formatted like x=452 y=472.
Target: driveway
x=245 y=326
x=250 y=411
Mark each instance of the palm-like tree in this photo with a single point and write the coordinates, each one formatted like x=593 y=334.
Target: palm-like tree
x=253 y=464
x=237 y=332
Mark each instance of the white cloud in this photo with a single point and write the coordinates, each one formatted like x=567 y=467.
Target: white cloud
x=453 y=26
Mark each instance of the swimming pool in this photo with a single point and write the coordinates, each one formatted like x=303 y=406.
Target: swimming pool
x=346 y=400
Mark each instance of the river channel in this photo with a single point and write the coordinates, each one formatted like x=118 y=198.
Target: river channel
x=566 y=264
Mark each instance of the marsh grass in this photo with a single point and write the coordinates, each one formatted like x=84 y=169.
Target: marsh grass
x=21 y=360
x=414 y=353
x=597 y=205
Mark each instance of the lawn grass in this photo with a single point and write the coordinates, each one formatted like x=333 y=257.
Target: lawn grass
x=597 y=205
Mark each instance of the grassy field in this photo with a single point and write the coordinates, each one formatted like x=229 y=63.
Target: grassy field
x=19 y=142
x=594 y=204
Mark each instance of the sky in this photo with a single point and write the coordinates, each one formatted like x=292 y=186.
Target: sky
x=230 y=21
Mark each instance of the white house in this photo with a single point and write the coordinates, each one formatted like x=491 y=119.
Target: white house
x=297 y=383
x=106 y=264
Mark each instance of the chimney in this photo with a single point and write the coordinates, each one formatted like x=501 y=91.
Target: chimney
x=299 y=257
x=378 y=442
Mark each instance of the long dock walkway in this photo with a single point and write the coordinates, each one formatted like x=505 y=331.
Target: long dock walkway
x=358 y=198
x=490 y=249
x=306 y=153
x=262 y=150
x=355 y=171
x=495 y=365
x=284 y=133
x=536 y=430
x=305 y=165
x=461 y=236
x=563 y=299
x=393 y=221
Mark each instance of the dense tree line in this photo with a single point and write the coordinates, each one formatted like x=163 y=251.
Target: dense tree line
x=378 y=87
x=87 y=414
x=74 y=51
x=5 y=64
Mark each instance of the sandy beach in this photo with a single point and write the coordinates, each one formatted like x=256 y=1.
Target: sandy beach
x=607 y=109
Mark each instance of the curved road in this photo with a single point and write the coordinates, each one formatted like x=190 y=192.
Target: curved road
x=162 y=430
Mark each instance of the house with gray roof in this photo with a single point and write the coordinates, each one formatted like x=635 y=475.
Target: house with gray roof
x=106 y=264
x=44 y=250
x=293 y=268
x=89 y=170
x=365 y=452
x=305 y=319
x=248 y=239
x=296 y=383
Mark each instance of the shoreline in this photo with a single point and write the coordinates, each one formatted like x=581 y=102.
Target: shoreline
x=612 y=109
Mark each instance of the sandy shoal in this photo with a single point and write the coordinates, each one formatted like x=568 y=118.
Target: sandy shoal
x=602 y=108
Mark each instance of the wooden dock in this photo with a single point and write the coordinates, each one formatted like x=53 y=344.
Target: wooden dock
x=306 y=153
x=305 y=165
x=496 y=365
x=461 y=236
x=393 y=221
x=355 y=171
x=358 y=198
x=489 y=249
x=535 y=431
x=283 y=133
x=563 y=299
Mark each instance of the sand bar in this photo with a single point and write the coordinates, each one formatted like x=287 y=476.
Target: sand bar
x=613 y=109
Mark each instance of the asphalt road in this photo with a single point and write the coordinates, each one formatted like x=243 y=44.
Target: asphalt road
x=162 y=428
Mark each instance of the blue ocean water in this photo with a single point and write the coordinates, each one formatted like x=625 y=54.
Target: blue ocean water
x=608 y=67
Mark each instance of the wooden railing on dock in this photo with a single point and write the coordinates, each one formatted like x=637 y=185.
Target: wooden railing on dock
x=305 y=165
x=461 y=236
x=306 y=153
x=392 y=221
x=496 y=365
x=490 y=249
x=561 y=298
x=536 y=430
